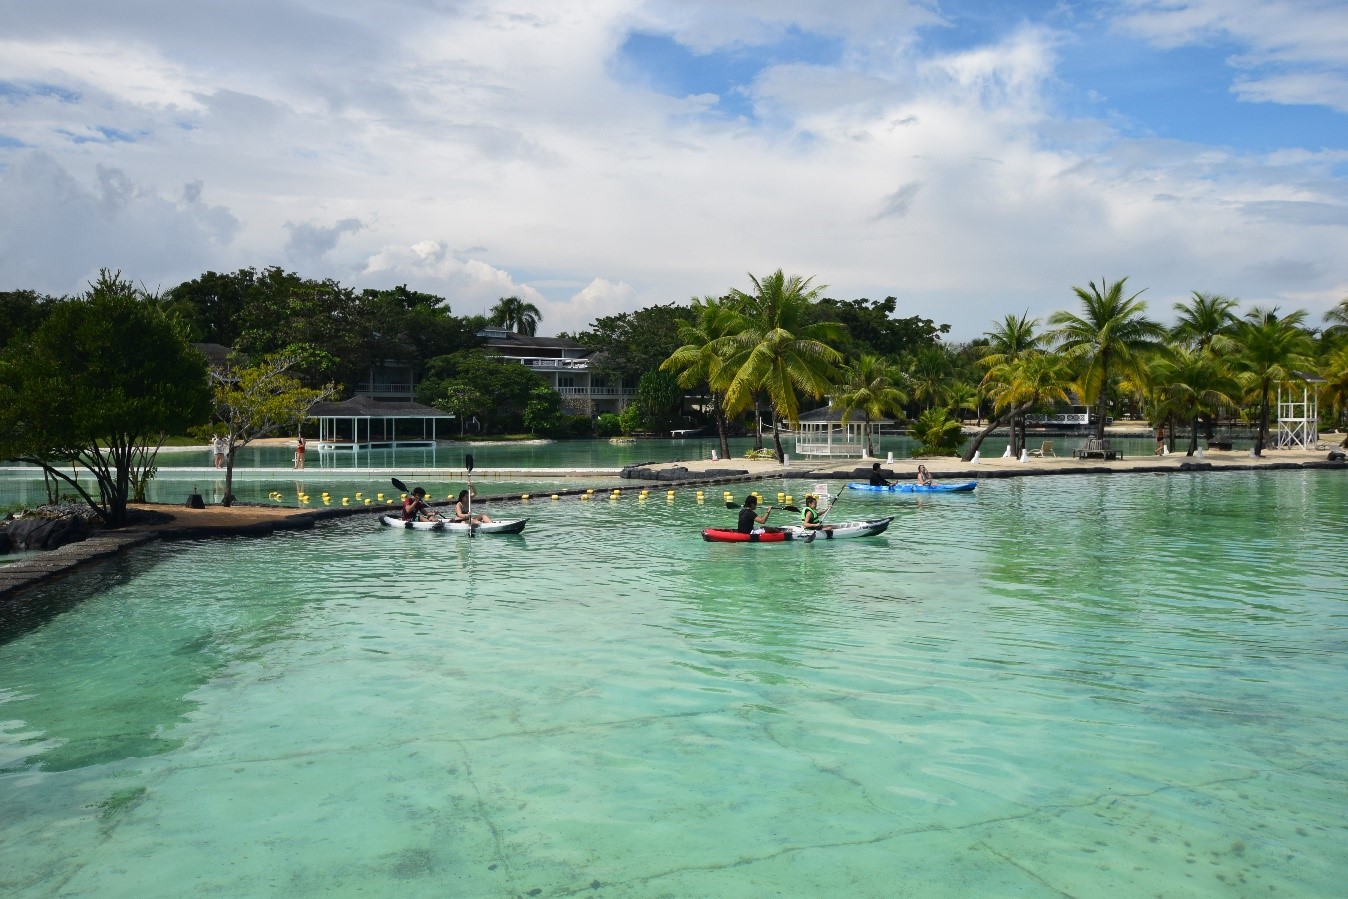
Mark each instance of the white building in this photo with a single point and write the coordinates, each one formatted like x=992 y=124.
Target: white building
x=565 y=365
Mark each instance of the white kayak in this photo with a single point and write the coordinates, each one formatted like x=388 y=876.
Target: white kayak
x=506 y=526
x=867 y=528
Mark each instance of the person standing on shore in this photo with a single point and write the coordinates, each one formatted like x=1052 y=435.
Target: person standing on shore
x=219 y=446
x=1160 y=440
x=299 y=451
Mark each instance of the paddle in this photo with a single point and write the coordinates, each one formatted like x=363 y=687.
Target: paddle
x=399 y=485
x=468 y=464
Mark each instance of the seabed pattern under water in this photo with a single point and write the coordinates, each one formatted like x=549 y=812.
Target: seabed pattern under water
x=1053 y=687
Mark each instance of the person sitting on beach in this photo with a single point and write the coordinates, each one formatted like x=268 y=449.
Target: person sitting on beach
x=924 y=478
x=877 y=479
x=462 y=513
x=810 y=515
x=415 y=508
x=749 y=516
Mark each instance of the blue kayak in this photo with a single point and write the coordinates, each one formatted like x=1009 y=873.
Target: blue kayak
x=966 y=487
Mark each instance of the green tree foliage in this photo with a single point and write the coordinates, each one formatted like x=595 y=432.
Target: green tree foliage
x=1202 y=318
x=629 y=344
x=871 y=329
x=659 y=396
x=515 y=315
x=1190 y=384
x=778 y=350
x=699 y=363
x=937 y=433
x=21 y=312
x=1018 y=385
x=99 y=383
x=870 y=387
x=1110 y=337
x=1265 y=349
x=258 y=400
x=543 y=413
x=508 y=384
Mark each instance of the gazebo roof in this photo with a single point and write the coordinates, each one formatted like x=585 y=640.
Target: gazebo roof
x=360 y=406
x=832 y=415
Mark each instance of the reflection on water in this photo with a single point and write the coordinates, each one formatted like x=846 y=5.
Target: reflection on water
x=1126 y=685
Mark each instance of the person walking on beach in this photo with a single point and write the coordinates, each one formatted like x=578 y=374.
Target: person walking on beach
x=1160 y=440
x=299 y=451
x=749 y=515
x=219 y=446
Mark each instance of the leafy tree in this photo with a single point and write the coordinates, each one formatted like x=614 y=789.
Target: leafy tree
x=938 y=433
x=777 y=350
x=930 y=373
x=608 y=424
x=99 y=383
x=629 y=344
x=1008 y=340
x=1192 y=384
x=870 y=386
x=659 y=397
x=460 y=400
x=21 y=312
x=1202 y=319
x=516 y=315
x=216 y=302
x=1109 y=338
x=259 y=399
x=1017 y=386
x=1334 y=369
x=870 y=328
x=543 y=412
x=699 y=363
x=508 y=384
x=1265 y=349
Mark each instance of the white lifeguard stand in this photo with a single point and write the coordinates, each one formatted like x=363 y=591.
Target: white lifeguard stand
x=1299 y=416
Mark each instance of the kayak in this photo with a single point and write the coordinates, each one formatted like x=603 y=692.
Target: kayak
x=846 y=529
x=506 y=526
x=796 y=532
x=966 y=487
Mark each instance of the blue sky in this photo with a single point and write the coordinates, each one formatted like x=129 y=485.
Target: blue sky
x=970 y=158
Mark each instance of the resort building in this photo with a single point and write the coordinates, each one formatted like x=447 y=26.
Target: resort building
x=565 y=365
x=366 y=423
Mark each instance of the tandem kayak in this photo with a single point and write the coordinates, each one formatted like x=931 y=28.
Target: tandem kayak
x=506 y=526
x=966 y=487
x=795 y=532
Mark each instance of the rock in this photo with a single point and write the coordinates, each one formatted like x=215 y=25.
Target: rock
x=45 y=533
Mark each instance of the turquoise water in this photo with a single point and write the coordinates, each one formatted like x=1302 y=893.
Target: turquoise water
x=1126 y=685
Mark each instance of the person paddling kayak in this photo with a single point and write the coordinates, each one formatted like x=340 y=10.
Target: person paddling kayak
x=415 y=508
x=810 y=516
x=749 y=516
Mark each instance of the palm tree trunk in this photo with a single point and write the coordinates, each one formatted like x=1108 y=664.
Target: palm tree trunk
x=1193 y=437
x=993 y=425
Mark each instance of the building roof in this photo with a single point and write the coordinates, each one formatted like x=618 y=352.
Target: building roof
x=501 y=339
x=360 y=406
x=833 y=415
x=217 y=355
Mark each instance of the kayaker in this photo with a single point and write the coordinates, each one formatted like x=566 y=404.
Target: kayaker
x=877 y=479
x=749 y=516
x=810 y=515
x=415 y=508
x=924 y=477
x=461 y=513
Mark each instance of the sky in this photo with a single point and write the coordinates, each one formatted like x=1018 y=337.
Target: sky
x=973 y=158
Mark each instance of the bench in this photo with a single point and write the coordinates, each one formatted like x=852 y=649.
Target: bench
x=1095 y=448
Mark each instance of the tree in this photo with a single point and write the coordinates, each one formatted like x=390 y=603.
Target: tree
x=258 y=399
x=870 y=386
x=870 y=328
x=938 y=433
x=659 y=397
x=516 y=315
x=776 y=349
x=505 y=382
x=1265 y=349
x=543 y=412
x=1018 y=385
x=1202 y=319
x=700 y=363
x=1008 y=340
x=1192 y=384
x=99 y=383
x=629 y=344
x=1334 y=369
x=1110 y=337
x=21 y=311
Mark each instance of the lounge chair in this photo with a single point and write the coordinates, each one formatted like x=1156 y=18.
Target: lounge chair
x=1045 y=450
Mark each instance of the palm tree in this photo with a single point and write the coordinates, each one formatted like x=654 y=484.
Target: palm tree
x=1192 y=385
x=1203 y=318
x=870 y=386
x=699 y=362
x=1007 y=340
x=1109 y=338
x=516 y=315
x=1265 y=349
x=930 y=372
x=777 y=350
x=1020 y=384
x=1334 y=369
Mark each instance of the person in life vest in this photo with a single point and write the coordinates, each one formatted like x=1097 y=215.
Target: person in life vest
x=810 y=516
x=415 y=508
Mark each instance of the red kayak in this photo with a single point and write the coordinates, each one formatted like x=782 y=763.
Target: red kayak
x=729 y=535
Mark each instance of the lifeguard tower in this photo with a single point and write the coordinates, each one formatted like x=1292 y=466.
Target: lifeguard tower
x=1299 y=412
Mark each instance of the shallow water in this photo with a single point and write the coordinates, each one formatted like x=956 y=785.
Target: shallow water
x=1080 y=686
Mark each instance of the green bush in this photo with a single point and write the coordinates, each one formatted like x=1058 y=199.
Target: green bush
x=939 y=434
x=608 y=424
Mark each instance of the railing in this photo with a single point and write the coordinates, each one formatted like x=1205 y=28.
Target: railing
x=597 y=391
x=542 y=362
x=1060 y=418
x=836 y=448
x=370 y=389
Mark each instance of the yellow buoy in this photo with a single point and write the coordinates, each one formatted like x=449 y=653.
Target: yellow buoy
x=346 y=501
x=379 y=496
x=524 y=497
x=554 y=497
x=358 y=493
x=367 y=500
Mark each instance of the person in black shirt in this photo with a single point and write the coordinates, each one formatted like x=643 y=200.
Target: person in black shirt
x=877 y=479
x=749 y=515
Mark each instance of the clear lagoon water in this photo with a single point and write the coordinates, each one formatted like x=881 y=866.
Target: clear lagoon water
x=1075 y=686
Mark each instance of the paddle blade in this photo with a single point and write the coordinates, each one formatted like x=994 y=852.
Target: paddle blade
x=468 y=461
x=400 y=485
x=730 y=505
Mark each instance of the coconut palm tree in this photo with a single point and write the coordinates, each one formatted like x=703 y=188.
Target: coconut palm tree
x=777 y=349
x=1110 y=337
x=1020 y=384
x=871 y=386
x=516 y=315
x=700 y=363
x=1191 y=385
x=1007 y=340
x=1201 y=319
x=1334 y=369
x=930 y=372
x=1266 y=349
